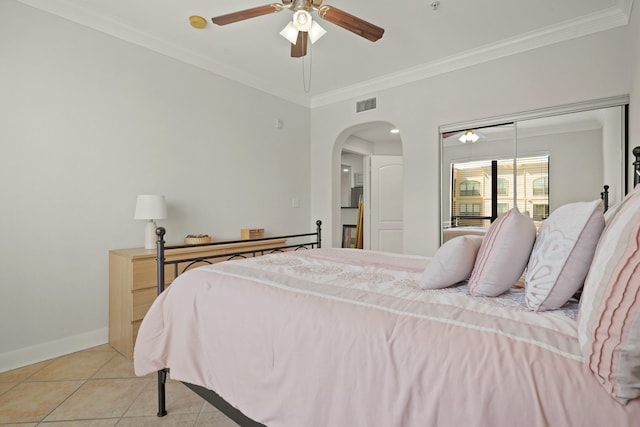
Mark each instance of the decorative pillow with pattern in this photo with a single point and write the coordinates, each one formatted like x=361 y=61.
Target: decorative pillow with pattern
x=562 y=254
x=452 y=263
x=609 y=316
x=503 y=255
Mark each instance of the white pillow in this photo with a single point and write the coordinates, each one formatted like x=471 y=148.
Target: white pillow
x=503 y=255
x=562 y=254
x=452 y=263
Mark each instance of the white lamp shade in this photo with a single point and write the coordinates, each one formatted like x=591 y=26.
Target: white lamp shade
x=316 y=32
x=150 y=206
x=302 y=21
x=290 y=33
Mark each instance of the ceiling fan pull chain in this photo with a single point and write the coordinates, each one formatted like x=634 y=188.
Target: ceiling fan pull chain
x=307 y=88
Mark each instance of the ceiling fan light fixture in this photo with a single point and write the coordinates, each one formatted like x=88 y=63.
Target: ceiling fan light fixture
x=469 y=136
x=315 y=32
x=302 y=20
x=290 y=32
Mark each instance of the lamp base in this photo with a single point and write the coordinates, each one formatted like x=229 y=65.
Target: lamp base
x=150 y=235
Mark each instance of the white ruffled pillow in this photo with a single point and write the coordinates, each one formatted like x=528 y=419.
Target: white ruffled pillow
x=503 y=255
x=562 y=254
x=452 y=263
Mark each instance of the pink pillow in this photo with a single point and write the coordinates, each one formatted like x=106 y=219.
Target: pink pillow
x=452 y=263
x=503 y=255
x=562 y=254
x=609 y=316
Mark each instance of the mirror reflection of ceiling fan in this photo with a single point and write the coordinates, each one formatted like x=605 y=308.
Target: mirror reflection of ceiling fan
x=470 y=135
x=303 y=28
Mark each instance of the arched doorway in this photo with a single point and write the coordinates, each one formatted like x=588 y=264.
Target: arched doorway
x=368 y=157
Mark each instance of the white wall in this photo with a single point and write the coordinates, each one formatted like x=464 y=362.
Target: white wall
x=356 y=161
x=587 y=68
x=89 y=121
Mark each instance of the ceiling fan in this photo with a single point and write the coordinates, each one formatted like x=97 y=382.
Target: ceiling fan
x=469 y=135
x=303 y=28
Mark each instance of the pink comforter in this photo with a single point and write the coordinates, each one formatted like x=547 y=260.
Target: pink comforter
x=339 y=337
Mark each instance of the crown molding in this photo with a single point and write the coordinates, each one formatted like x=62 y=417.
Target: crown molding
x=613 y=17
x=625 y=7
x=590 y=24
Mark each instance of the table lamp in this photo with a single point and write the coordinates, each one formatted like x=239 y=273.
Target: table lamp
x=150 y=207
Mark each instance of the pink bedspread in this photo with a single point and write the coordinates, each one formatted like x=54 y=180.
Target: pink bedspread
x=342 y=337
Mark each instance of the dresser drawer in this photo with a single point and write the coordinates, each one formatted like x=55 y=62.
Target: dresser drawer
x=142 y=300
x=144 y=274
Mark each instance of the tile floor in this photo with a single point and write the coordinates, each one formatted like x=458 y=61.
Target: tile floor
x=96 y=387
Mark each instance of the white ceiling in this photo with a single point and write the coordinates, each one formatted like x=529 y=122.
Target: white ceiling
x=377 y=132
x=418 y=41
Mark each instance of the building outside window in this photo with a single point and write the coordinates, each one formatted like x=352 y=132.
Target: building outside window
x=540 y=211
x=523 y=182
x=470 y=209
x=469 y=188
x=502 y=208
x=503 y=186
x=541 y=186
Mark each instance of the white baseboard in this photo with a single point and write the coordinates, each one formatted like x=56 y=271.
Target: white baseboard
x=48 y=350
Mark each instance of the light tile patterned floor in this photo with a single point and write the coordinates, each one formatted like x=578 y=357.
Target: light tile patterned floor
x=96 y=387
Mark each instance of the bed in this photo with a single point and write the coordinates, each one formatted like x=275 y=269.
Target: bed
x=346 y=337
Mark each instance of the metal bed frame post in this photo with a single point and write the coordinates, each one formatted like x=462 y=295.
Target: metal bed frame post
x=319 y=231
x=162 y=374
x=636 y=166
x=605 y=197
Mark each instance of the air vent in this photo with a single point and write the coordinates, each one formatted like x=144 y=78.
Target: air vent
x=366 y=105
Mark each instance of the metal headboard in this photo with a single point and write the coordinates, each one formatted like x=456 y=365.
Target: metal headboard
x=314 y=242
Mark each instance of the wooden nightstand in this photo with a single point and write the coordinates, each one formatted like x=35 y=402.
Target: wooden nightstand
x=133 y=284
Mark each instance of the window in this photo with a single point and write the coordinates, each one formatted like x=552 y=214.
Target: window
x=503 y=186
x=514 y=186
x=470 y=188
x=541 y=186
x=540 y=211
x=470 y=209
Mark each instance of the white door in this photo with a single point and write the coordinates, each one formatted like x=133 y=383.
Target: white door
x=386 y=203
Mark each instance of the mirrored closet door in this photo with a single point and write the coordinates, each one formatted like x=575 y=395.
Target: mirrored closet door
x=536 y=161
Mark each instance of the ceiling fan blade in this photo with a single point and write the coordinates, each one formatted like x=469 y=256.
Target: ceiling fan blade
x=247 y=13
x=351 y=23
x=299 y=49
x=450 y=134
